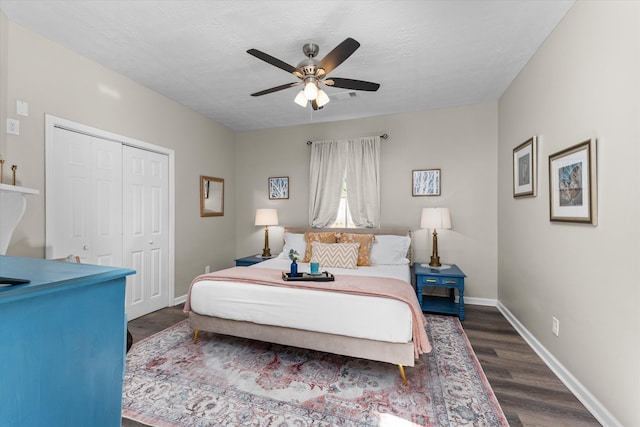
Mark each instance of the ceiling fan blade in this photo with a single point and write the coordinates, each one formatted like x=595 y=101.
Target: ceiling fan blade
x=273 y=61
x=275 y=89
x=338 y=55
x=352 y=84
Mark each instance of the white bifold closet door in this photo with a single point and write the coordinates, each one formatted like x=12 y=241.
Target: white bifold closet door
x=108 y=204
x=145 y=229
x=84 y=199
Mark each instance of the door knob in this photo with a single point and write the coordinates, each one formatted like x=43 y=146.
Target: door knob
x=85 y=247
x=151 y=242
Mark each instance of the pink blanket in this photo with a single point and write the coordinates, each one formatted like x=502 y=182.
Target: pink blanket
x=357 y=285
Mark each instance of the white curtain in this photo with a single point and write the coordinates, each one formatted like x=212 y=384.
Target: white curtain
x=359 y=158
x=326 y=171
x=363 y=181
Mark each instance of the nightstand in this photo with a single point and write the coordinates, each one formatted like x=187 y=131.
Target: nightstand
x=250 y=260
x=451 y=278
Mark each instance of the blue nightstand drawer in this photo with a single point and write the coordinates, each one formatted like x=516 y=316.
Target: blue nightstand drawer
x=440 y=281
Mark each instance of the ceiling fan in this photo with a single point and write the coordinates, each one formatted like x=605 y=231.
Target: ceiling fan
x=313 y=73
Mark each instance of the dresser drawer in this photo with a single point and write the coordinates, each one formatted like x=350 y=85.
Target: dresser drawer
x=452 y=282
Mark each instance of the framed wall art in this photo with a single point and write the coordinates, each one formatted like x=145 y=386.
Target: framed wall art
x=426 y=182
x=279 y=187
x=525 y=169
x=573 y=184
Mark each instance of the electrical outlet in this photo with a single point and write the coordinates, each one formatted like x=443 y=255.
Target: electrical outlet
x=13 y=126
x=555 y=327
x=207 y=269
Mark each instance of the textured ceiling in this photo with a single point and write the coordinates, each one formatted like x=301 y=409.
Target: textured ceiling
x=425 y=54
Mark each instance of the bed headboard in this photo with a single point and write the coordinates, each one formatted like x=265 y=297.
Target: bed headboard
x=376 y=231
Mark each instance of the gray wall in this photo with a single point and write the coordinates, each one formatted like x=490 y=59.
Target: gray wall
x=583 y=83
x=57 y=81
x=462 y=142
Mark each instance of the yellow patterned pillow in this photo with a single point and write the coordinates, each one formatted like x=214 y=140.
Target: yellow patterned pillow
x=365 y=241
x=310 y=237
x=336 y=255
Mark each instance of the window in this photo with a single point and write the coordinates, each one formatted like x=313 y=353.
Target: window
x=343 y=220
x=332 y=164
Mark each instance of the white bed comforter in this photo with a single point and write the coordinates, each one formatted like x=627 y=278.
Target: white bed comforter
x=368 y=317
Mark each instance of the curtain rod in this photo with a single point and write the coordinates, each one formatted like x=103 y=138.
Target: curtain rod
x=383 y=136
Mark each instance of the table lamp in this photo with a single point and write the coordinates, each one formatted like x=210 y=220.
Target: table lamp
x=435 y=218
x=266 y=217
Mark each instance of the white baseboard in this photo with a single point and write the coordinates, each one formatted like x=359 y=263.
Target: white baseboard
x=480 y=301
x=592 y=404
x=180 y=300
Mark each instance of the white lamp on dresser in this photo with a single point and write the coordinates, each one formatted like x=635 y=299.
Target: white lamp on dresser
x=12 y=207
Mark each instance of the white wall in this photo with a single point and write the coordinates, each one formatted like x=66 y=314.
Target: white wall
x=55 y=80
x=462 y=142
x=582 y=83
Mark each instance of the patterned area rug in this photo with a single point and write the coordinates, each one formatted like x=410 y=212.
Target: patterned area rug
x=227 y=381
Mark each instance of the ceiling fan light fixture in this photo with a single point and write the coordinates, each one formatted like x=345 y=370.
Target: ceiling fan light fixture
x=311 y=90
x=311 y=72
x=323 y=98
x=301 y=99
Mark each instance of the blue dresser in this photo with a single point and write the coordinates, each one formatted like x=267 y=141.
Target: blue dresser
x=62 y=343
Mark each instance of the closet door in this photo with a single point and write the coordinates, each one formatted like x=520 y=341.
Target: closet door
x=146 y=230
x=84 y=198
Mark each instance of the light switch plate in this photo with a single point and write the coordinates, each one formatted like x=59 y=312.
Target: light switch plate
x=22 y=108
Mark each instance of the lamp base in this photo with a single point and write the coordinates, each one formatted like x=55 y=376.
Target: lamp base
x=266 y=252
x=435 y=261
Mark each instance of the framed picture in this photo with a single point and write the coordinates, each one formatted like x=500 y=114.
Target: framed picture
x=426 y=182
x=524 y=169
x=211 y=196
x=279 y=187
x=573 y=184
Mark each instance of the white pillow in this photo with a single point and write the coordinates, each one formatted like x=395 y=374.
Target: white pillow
x=390 y=249
x=293 y=241
x=336 y=255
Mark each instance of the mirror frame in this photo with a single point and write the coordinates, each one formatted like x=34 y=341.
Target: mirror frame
x=205 y=194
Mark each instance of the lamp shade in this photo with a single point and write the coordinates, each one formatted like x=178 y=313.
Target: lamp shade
x=439 y=218
x=323 y=98
x=311 y=90
x=301 y=99
x=266 y=217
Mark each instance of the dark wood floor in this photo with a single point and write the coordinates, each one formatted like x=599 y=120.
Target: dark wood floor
x=529 y=393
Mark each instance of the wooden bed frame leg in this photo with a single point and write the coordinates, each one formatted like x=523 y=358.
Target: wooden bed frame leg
x=402 y=375
x=195 y=336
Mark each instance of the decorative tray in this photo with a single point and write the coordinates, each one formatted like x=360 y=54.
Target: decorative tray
x=325 y=276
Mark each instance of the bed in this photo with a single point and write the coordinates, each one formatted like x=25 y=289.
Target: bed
x=361 y=323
